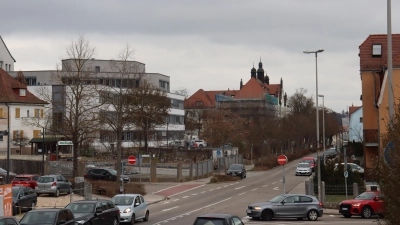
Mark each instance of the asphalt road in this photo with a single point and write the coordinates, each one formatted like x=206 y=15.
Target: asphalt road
x=186 y=203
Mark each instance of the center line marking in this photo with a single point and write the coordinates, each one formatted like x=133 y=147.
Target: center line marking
x=240 y=187
x=202 y=192
x=170 y=209
x=242 y=193
x=265 y=185
x=217 y=188
x=274 y=183
x=185 y=196
x=254 y=189
x=194 y=194
x=211 y=189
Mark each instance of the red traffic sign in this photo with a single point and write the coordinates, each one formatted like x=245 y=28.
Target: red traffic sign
x=282 y=159
x=132 y=160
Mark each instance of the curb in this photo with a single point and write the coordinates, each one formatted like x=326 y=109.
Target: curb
x=150 y=203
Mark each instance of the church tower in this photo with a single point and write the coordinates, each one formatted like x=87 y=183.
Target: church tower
x=253 y=72
x=260 y=72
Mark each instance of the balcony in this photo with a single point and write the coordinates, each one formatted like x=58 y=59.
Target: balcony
x=371 y=137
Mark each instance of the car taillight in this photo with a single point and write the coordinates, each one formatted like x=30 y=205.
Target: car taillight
x=84 y=175
x=54 y=184
x=320 y=204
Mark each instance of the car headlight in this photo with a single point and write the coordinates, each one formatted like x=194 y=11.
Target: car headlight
x=356 y=204
x=257 y=207
x=240 y=172
x=81 y=221
x=127 y=210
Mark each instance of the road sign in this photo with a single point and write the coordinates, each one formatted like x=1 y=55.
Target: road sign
x=132 y=160
x=218 y=152
x=346 y=174
x=65 y=143
x=145 y=156
x=282 y=159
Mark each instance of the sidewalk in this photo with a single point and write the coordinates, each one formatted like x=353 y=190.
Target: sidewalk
x=301 y=189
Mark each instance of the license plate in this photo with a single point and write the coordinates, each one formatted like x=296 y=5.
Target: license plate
x=248 y=211
x=344 y=208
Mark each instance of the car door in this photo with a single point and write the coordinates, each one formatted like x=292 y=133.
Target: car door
x=99 y=218
x=289 y=207
x=139 y=209
x=306 y=203
x=377 y=203
x=70 y=219
x=23 y=198
x=108 y=216
x=66 y=183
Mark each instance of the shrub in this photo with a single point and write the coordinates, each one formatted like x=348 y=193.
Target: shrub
x=221 y=178
x=112 y=187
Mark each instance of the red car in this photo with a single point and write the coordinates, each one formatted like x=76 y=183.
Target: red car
x=311 y=161
x=27 y=180
x=365 y=205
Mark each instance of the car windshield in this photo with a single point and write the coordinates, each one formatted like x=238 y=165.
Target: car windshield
x=366 y=196
x=21 y=178
x=277 y=199
x=235 y=167
x=46 y=179
x=209 y=221
x=113 y=172
x=39 y=217
x=123 y=200
x=81 y=207
x=303 y=165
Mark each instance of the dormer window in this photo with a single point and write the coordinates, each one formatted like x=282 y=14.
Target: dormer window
x=22 y=92
x=376 y=50
x=199 y=103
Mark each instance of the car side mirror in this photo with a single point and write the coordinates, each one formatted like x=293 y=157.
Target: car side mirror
x=99 y=210
x=137 y=203
x=61 y=222
x=377 y=199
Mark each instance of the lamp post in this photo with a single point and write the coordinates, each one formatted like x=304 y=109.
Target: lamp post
x=323 y=125
x=316 y=109
x=43 y=152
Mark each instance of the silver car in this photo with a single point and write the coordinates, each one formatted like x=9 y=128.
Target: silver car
x=53 y=185
x=303 y=169
x=287 y=206
x=132 y=207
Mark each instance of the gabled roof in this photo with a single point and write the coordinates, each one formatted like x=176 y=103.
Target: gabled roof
x=252 y=89
x=7 y=48
x=368 y=62
x=353 y=109
x=9 y=89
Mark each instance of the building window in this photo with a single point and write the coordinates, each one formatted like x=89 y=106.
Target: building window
x=27 y=113
x=361 y=119
x=97 y=69
x=376 y=50
x=6 y=67
x=30 y=80
x=9 y=67
x=1 y=137
x=22 y=92
x=164 y=85
x=199 y=103
x=1 y=64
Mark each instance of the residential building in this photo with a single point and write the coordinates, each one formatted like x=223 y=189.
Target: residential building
x=6 y=59
x=17 y=106
x=355 y=124
x=374 y=82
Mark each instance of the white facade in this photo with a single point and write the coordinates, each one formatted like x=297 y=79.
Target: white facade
x=356 y=126
x=6 y=59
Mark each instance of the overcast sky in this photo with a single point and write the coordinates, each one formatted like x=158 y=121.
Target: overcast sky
x=208 y=44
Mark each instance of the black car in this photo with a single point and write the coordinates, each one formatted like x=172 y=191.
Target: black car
x=220 y=219
x=23 y=199
x=8 y=220
x=48 y=216
x=237 y=170
x=101 y=174
x=95 y=212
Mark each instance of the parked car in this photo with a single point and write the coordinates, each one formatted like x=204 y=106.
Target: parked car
x=132 y=207
x=101 y=174
x=364 y=205
x=177 y=144
x=6 y=220
x=95 y=212
x=48 y=216
x=125 y=179
x=3 y=173
x=199 y=144
x=23 y=199
x=311 y=161
x=303 y=169
x=237 y=170
x=220 y=219
x=282 y=206
x=27 y=180
x=330 y=153
x=354 y=167
x=53 y=184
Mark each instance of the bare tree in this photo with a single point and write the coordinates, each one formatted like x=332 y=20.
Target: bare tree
x=20 y=140
x=115 y=95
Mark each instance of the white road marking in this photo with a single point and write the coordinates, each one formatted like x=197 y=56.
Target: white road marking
x=194 y=194
x=169 y=209
x=265 y=185
x=187 y=190
x=217 y=188
x=226 y=185
x=240 y=187
x=185 y=196
x=242 y=193
x=274 y=183
x=276 y=188
x=166 y=202
x=202 y=192
x=176 y=200
x=254 y=189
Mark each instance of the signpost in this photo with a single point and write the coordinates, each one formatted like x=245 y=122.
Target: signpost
x=218 y=160
x=346 y=174
x=282 y=160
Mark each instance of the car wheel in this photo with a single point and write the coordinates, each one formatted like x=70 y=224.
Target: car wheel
x=33 y=205
x=347 y=215
x=115 y=222
x=267 y=215
x=241 y=177
x=312 y=215
x=133 y=219
x=300 y=218
x=57 y=193
x=146 y=217
x=366 y=212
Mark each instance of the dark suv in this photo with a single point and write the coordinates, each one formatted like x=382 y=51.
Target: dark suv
x=101 y=174
x=48 y=216
x=96 y=212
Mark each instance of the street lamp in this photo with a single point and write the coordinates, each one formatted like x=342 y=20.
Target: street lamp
x=323 y=125
x=316 y=109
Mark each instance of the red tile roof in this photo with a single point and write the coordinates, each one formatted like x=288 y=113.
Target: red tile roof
x=367 y=62
x=252 y=89
x=207 y=98
x=9 y=91
x=353 y=109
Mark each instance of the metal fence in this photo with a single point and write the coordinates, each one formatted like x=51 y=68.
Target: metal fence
x=223 y=163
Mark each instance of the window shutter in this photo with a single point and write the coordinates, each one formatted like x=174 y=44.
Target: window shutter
x=36 y=133
x=21 y=134
x=35 y=113
x=1 y=113
x=41 y=113
x=14 y=134
x=17 y=113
